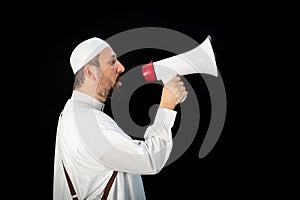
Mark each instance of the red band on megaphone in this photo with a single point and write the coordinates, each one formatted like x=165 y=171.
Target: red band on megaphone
x=148 y=72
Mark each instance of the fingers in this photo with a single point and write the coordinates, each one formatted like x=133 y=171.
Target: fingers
x=175 y=79
x=173 y=93
x=183 y=93
x=176 y=86
x=179 y=83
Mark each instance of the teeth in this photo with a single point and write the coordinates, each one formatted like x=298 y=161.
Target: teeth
x=119 y=83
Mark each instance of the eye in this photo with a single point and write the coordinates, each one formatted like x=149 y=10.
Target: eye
x=113 y=62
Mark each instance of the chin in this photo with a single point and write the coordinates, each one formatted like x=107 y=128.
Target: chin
x=109 y=94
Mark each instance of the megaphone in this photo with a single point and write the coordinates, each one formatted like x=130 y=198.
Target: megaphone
x=198 y=60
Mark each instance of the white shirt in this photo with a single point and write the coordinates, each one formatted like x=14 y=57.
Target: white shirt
x=91 y=145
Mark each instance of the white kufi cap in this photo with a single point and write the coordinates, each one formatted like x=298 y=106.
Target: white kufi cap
x=85 y=52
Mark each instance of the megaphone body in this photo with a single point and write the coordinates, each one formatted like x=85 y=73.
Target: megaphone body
x=198 y=60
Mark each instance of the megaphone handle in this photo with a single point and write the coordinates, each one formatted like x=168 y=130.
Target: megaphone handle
x=168 y=77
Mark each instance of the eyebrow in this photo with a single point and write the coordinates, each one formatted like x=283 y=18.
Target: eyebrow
x=112 y=57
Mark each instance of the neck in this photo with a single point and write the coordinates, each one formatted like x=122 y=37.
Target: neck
x=91 y=91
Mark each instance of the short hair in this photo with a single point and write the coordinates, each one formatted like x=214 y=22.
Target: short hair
x=79 y=76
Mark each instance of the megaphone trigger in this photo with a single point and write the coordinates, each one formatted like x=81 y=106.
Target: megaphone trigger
x=182 y=100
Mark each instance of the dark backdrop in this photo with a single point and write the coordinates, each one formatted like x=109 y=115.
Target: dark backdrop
x=49 y=34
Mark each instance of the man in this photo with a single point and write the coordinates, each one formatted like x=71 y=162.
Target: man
x=90 y=146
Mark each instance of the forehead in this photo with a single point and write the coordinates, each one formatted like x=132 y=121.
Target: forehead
x=107 y=54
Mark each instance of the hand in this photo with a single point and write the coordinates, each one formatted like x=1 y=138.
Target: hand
x=172 y=94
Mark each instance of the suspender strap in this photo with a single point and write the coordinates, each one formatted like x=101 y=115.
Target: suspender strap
x=108 y=186
x=72 y=190
x=106 y=190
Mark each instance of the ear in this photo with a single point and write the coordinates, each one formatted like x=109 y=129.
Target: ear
x=89 y=72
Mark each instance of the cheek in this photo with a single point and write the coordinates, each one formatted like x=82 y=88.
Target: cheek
x=111 y=74
x=107 y=78
x=104 y=82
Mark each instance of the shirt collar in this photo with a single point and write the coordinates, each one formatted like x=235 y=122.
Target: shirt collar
x=80 y=96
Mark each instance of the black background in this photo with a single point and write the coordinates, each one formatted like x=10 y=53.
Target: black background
x=235 y=168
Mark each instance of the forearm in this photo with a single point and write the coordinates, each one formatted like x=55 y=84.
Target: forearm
x=158 y=138
x=143 y=157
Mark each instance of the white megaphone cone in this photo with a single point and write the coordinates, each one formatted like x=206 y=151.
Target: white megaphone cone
x=198 y=60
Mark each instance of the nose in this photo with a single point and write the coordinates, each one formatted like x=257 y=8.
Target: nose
x=120 y=67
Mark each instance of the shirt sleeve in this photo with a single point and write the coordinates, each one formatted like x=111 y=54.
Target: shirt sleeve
x=122 y=153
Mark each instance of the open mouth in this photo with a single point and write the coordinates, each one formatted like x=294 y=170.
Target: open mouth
x=118 y=82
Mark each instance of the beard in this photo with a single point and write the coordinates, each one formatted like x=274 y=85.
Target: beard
x=106 y=87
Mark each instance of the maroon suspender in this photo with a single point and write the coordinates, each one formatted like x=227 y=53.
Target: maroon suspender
x=106 y=190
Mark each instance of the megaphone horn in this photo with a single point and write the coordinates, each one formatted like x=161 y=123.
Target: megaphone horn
x=198 y=60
